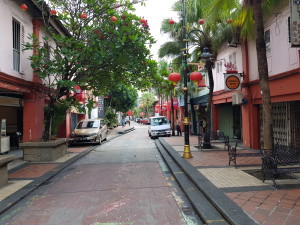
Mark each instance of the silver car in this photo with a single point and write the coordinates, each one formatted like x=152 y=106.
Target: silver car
x=90 y=130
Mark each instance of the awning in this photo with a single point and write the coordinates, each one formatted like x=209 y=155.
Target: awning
x=201 y=100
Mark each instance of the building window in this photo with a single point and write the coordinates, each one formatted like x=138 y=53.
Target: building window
x=16 y=45
x=289 y=27
x=268 y=41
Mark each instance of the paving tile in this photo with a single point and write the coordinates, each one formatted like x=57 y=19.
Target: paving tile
x=260 y=215
x=277 y=218
x=32 y=171
x=292 y=220
x=12 y=187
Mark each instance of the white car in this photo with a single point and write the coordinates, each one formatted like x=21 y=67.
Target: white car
x=159 y=126
x=90 y=130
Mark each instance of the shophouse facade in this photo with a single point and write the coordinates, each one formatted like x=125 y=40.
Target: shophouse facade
x=22 y=99
x=243 y=118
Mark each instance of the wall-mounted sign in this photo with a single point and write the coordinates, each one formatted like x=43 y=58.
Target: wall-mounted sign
x=295 y=23
x=3 y=127
x=232 y=81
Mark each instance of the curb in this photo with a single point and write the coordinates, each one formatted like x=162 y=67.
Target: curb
x=232 y=212
x=126 y=131
x=14 y=198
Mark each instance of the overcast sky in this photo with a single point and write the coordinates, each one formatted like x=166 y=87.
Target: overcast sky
x=155 y=12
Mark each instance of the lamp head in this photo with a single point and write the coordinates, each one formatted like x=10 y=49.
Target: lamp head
x=206 y=55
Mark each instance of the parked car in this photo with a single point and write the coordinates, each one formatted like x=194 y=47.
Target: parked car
x=159 y=126
x=145 y=121
x=90 y=130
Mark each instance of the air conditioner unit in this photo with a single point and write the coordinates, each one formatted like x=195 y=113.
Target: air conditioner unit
x=237 y=98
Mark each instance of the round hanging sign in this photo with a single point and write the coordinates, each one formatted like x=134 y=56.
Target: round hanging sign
x=232 y=82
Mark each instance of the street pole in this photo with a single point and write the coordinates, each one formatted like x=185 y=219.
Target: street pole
x=172 y=116
x=186 y=152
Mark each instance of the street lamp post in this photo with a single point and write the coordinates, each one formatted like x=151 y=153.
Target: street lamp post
x=207 y=56
x=186 y=152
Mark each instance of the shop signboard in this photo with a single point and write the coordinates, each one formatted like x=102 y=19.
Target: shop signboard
x=295 y=23
x=232 y=81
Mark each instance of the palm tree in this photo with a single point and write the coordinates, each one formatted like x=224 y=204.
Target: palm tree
x=200 y=37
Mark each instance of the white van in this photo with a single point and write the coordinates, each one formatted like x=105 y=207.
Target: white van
x=90 y=130
x=159 y=126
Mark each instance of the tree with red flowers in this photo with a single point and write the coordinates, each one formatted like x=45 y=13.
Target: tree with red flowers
x=96 y=52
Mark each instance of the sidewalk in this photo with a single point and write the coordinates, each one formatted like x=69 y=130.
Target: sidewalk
x=24 y=177
x=243 y=185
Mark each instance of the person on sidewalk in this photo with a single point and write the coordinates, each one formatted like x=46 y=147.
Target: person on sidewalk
x=123 y=122
x=202 y=125
x=178 y=128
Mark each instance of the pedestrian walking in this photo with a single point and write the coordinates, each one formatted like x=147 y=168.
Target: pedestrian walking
x=178 y=128
x=123 y=122
x=203 y=125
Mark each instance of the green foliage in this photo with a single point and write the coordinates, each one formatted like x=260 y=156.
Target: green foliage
x=110 y=118
x=95 y=53
x=147 y=99
x=122 y=98
x=59 y=115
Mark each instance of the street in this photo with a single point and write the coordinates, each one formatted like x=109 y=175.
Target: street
x=123 y=181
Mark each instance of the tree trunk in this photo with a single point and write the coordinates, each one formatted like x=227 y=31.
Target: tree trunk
x=263 y=76
x=207 y=143
x=48 y=120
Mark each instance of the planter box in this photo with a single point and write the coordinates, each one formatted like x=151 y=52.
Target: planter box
x=44 y=151
x=4 y=160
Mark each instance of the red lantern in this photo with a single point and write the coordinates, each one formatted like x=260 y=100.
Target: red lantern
x=171 y=21
x=201 y=21
x=53 y=12
x=196 y=77
x=174 y=77
x=23 y=7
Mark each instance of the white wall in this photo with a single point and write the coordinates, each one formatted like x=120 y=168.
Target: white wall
x=8 y=11
x=223 y=57
x=282 y=57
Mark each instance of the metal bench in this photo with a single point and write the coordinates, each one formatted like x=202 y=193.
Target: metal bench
x=215 y=137
x=280 y=160
x=232 y=154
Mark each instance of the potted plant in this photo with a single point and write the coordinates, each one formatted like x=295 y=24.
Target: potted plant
x=230 y=67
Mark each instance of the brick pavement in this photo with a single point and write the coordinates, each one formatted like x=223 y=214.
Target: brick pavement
x=129 y=192
x=262 y=202
x=22 y=173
